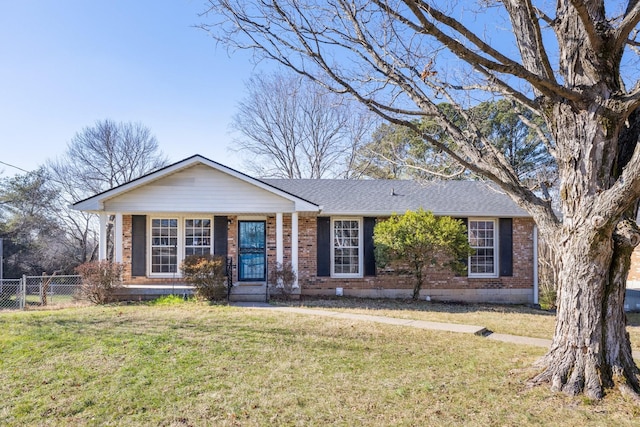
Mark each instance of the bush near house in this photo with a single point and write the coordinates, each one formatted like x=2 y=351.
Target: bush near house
x=421 y=239
x=283 y=277
x=100 y=281
x=207 y=273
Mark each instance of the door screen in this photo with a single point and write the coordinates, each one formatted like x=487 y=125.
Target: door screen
x=251 y=251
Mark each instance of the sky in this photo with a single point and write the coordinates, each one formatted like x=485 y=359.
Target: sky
x=66 y=64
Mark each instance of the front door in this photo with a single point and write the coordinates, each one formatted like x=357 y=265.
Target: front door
x=252 y=251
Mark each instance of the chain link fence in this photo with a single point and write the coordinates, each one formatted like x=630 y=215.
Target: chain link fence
x=11 y=294
x=39 y=291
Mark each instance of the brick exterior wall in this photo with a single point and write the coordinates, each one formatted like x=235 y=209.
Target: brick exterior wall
x=397 y=281
x=393 y=281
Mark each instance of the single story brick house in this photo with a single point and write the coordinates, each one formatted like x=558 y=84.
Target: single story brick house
x=324 y=228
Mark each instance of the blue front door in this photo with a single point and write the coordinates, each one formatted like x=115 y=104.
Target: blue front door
x=252 y=251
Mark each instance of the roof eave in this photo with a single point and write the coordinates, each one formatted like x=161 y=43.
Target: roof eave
x=95 y=203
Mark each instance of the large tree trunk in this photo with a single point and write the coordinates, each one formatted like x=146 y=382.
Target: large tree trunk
x=591 y=350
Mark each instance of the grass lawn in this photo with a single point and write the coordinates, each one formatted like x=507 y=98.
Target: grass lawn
x=504 y=319
x=192 y=364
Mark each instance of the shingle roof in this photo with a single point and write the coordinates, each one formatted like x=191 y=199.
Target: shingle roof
x=384 y=197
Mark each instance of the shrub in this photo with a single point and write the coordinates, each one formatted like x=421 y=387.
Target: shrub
x=207 y=273
x=169 y=300
x=421 y=239
x=100 y=281
x=284 y=279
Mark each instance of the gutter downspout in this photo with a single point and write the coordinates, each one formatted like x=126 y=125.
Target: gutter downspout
x=535 y=264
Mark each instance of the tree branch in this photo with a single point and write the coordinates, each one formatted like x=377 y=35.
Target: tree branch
x=587 y=19
x=504 y=65
x=523 y=16
x=629 y=22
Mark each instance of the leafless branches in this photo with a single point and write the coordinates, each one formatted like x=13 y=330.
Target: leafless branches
x=293 y=128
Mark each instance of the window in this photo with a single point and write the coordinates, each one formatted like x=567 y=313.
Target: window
x=346 y=256
x=174 y=238
x=197 y=236
x=164 y=245
x=483 y=238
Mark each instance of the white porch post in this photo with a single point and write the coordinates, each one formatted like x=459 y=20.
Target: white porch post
x=294 y=247
x=279 y=239
x=102 y=242
x=117 y=239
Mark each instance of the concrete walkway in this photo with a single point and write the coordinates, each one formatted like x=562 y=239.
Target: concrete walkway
x=421 y=324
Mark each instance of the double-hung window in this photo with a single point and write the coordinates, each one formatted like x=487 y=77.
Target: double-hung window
x=197 y=236
x=164 y=245
x=483 y=237
x=174 y=238
x=346 y=255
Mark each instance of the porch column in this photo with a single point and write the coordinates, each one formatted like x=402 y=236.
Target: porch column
x=117 y=238
x=294 y=246
x=279 y=239
x=102 y=242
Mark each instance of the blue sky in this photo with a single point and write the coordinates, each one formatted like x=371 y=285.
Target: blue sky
x=65 y=64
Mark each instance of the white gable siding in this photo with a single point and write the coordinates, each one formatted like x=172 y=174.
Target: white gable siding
x=199 y=189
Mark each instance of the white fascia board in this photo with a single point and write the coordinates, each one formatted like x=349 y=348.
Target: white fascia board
x=300 y=204
x=96 y=203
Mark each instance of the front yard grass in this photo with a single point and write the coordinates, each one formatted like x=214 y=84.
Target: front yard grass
x=193 y=364
x=505 y=319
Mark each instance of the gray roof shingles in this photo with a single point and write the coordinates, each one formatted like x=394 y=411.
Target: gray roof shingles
x=384 y=197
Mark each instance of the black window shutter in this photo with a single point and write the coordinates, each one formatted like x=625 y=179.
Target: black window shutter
x=369 y=253
x=506 y=246
x=139 y=245
x=324 y=246
x=220 y=235
x=464 y=260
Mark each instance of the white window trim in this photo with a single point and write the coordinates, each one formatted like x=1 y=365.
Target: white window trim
x=360 y=273
x=181 y=242
x=496 y=246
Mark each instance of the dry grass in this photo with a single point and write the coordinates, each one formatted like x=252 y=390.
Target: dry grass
x=192 y=364
x=505 y=319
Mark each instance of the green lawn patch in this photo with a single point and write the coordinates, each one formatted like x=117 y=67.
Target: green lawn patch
x=195 y=364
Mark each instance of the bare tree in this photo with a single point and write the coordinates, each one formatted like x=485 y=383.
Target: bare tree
x=106 y=155
x=568 y=62
x=98 y=158
x=293 y=128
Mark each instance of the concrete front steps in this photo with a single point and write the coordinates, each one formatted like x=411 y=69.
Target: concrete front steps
x=249 y=292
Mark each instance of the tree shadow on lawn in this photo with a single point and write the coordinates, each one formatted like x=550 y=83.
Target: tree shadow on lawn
x=410 y=305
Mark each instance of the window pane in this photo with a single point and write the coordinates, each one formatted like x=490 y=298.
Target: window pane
x=164 y=245
x=482 y=239
x=197 y=234
x=346 y=247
